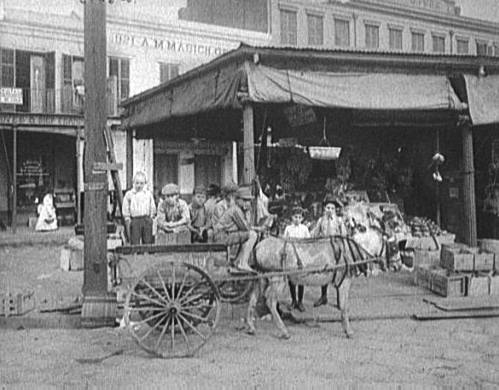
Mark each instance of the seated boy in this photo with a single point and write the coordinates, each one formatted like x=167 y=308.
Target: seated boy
x=199 y=220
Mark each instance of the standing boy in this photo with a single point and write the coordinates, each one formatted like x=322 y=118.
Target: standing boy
x=139 y=210
x=198 y=223
x=296 y=230
x=330 y=224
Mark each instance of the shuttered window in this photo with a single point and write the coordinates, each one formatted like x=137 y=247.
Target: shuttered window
x=417 y=42
x=341 y=32
x=372 y=36
x=315 y=30
x=395 y=38
x=120 y=67
x=438 y=43
x=167 y=71
x=462 y=46
x=288 y=27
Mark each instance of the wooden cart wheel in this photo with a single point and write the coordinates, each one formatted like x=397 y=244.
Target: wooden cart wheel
x=234 y=291
x=172 y=309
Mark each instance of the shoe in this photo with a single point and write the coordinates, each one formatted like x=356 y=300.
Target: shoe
x=300 y=307
x=321 y=301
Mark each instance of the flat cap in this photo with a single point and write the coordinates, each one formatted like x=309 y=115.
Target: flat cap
x=230 y=188
x=200 y=189
x=244 y=193
x=170 y=189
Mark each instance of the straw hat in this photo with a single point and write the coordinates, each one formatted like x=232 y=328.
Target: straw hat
x=170 y=189
x=244 y=193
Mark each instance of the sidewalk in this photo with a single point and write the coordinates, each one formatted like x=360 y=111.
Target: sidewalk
x=28 y=237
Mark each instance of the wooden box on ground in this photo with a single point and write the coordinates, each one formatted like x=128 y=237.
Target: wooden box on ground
x=483 y=261
x=14 y=304
x=491 y=246
x=457 y=257
x=478 y=286
x=448 y=284
x=426 y=257
x=422 y=275
x=494 y=285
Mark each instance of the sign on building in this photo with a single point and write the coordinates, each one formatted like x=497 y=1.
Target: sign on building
x=11 y=96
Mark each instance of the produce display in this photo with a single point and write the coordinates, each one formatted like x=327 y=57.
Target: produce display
x=424 y=227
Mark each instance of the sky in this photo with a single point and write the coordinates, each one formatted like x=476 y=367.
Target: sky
x=480 y=9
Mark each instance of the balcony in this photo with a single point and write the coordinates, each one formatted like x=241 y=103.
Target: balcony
x=67 y=100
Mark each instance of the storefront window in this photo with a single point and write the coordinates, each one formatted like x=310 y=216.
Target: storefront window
x=462 y=46
x=288 y=27
x=207 y=170
x=168 y=71
x=7 y=73
x=120 y=67
x=438 y=44
x=417 y=41
x=395 y=38
x=481 y=48
x=372 y=36
x=315 y=30
x=341 y=32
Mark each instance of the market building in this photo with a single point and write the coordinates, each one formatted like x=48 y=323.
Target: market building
x=42 y=90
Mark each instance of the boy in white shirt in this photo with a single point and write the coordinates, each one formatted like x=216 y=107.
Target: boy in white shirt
x=296 y=230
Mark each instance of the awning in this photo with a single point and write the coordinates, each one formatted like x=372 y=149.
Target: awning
x=483 y=98
x=366 y=91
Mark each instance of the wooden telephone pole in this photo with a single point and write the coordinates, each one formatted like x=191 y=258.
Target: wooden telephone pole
x=99 y=307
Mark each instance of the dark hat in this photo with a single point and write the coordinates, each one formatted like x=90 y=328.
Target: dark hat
x=200 y=189
x=170 y=189
x=230 y=188
x=213 y=190
x=332 y=199
x=245 y=193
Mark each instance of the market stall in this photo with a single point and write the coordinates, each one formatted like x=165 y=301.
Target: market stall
x=389 y=114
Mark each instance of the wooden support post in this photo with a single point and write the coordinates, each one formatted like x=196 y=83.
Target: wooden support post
x=14 y=179
x=78 y=178
x=437 y=184
x=129 y=157
x=99 y=307
x=470 y=233
x=248 y=144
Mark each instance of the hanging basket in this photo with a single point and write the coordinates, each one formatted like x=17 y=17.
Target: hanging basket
x=324 y=152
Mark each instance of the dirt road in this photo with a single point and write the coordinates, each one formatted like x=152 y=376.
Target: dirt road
x=390 y=351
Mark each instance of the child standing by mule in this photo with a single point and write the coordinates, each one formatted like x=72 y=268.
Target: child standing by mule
x=296 y=230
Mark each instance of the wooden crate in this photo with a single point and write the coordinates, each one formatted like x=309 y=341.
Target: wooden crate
x=422 y=275
x=16 y=304
x=423 y=257
x=457 y=257
x=478 y=286
x=483 y=261
x=491 y=246
x=448 y=284
x=494 y=285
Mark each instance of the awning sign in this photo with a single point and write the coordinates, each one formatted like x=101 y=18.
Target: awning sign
x=11 y=96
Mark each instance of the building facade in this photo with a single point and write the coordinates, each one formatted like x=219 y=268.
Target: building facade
x=418 y=26
x=148 y=42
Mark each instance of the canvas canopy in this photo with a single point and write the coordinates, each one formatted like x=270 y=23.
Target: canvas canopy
x=483 y=98
x=223 y=87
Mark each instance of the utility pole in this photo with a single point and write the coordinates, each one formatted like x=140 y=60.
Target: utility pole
x=99 y=307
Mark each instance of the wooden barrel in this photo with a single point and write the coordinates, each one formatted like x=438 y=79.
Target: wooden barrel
x=99 y=311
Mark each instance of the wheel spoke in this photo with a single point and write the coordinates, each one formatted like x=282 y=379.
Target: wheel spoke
x=173 y=333
x=163 y=331
x=193 y=298
x=173 y=281
x=154 y=290
x=147 y=298
x=182 y=285
x=184 y=334
x=152 y=328
x=164 y=285
x=195 y=316
x=199 y=306
x=192 y=327
x=150 y=318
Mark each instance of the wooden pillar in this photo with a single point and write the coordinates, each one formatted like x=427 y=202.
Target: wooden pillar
x=470 y=234
x=248 y=144
x=78 y=176
x=129 y=158
x=99 y=307
x=14 y=179
x=437 y=184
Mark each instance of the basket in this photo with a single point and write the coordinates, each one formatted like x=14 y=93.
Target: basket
x=324 y=152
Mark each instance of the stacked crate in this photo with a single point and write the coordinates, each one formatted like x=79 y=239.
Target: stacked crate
x=463 y=271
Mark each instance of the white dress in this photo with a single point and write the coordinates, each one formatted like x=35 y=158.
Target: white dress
x=47 y=218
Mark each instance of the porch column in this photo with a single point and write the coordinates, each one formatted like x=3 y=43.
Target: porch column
x=469 y=207
x=78 y=175
x=248 y=144
x=129 y=157
x=14 y=179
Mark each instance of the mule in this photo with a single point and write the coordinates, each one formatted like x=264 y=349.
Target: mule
x=319 y=255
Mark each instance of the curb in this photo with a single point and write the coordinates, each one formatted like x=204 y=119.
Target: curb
x=50 y=321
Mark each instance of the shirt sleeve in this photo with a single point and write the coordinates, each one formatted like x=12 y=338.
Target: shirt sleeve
x=286 y=232
x=186 y=215
x=125 y=208
x=306 y=233
x=152 y=206
x=239 y=220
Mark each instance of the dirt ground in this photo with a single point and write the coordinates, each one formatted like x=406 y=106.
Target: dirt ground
x=389 y=349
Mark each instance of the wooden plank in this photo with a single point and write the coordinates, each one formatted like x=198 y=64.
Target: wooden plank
x=470 y=233
x=248 y=144
x=108 y=166
x=185 y=248
x=464 y=303
x=14 y=179
x=456 y=315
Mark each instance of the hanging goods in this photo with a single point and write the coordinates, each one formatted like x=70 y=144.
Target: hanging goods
x=324 y=151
